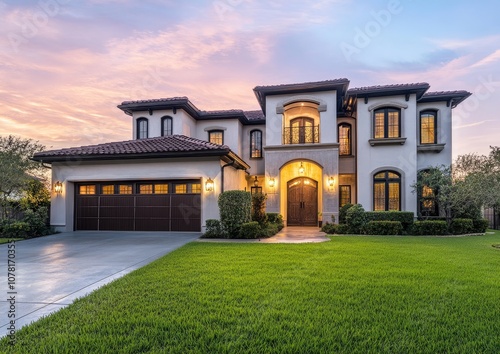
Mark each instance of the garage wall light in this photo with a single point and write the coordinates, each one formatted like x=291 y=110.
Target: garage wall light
x=331 y=182
x=272 y=182
x=58 y=187
x=209 y=185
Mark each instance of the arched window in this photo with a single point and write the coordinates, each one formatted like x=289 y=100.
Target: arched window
x=256 y=144
x=142 y=128
x=387 y=123
x=428 y=127
x=166 y=126
x=303 y=131
x=344 y=135
x=386 y=191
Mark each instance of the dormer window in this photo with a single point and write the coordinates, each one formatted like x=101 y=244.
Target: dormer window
x=142 y=128
x=166 y=126
x=387 y=123
x=216 y=137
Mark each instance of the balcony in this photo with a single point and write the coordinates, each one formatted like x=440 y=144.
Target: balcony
x=301 y=135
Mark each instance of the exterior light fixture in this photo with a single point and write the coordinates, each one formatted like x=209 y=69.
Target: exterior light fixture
x=256 y=182
x=331 y=181
x=301 y=169
x=272 y=182
x=209 y=185
x=58 y=187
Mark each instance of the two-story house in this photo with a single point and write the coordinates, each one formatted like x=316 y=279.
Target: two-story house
x=312 y=148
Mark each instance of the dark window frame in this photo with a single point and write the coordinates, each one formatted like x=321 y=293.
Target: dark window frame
x=386 y=181
x=340 y=194
x=386 y=111
x=210 y=132
x=171 y=122
x=139 y=130
x=349 y=138
x=433 y=113
x=253 y=147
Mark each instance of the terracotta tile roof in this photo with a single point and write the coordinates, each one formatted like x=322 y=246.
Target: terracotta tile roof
x=157 y=100
x=159 y=145
x=254 y=115
x=303 y=84
x=398 y=87
x=446 y=93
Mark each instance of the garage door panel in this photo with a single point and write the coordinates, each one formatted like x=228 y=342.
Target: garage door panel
x=116 y=224
x=117 y=201
x=87 y=223
x=152 y=212
x=153 y=200
x=193 y=200
x=186 y=224
x=86 y=212
x=116 y=212
x=152 y=224
x=88 y=201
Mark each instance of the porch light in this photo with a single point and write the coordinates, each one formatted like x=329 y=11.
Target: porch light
x=256 y=182
x=301 y=169
x=272 y=182
x=58 y=187
x=209 y=185
x=331 y=181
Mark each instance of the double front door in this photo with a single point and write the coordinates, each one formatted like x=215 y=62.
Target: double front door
x=302 y=203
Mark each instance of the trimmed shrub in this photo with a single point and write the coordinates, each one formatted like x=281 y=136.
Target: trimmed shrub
x=270 y=230
x=329 y=228
x=16 y=229
x=213 y=229
x=342 y=229
x=277 y=219
x=384 y=227
x=355 y=218
x=343 y=213
x=37 y=221
x=259 y=209
x=234 y=208
x=250 y=229
x=429 y=227
x=461 y=226
x=479 y=226
x=406 y=218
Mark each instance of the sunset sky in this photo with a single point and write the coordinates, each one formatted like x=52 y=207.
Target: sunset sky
x=65 y=64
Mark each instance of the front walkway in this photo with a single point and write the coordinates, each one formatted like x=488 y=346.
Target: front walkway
x=290 y=234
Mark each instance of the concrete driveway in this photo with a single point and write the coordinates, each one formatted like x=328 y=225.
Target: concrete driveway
x=52 y=271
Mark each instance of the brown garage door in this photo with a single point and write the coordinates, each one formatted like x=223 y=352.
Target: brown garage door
x=138 y=206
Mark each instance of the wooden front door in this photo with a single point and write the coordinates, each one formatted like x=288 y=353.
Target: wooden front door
x=302 y=202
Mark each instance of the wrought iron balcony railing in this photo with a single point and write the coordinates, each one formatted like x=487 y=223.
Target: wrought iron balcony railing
x=301 y=135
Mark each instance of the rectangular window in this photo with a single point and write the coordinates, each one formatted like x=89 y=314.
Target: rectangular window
x=161 y=188
x=108 y=189
x=146 y=189
x=195 y=188
x=379 y=197
x=393 y=124
x=216 y=137
x=379 y=125
x=344 y=139
x=428 y=128
x=387 y=123
x=87 y=189
x=125 y=189
x=256 y=144
x=345 y=195
x=180 y=189
x=393 y=196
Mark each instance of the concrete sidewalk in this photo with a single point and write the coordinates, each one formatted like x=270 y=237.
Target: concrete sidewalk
x=52 y=271
x=289 y=234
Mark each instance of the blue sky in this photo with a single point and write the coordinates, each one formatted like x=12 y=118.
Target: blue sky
x=66 y=64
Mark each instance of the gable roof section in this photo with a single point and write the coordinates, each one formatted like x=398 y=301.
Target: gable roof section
x=339 y=85
x=452 y=98
x=159 y=147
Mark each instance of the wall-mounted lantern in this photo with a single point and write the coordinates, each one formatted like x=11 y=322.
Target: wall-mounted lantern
x=331 y=182
x=301 y=169
x=58 y=186
x=272 y=182
x=255 y=182
x=209 y=185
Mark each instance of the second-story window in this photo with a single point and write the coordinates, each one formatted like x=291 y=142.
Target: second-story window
x=428 y=120
x=387 y=123
x=166 y=126
x=216 y=137
x=302 y=131
x=344 y=134
x=256 y=144
x=142 y=128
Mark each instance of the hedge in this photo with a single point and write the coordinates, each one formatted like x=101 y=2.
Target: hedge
x=234 y=208
x=479 y=226
x=343 y=213
x=384 y=227
x=329 y=228
x=429 y=227
x=277 y=219
x=250 y=229
x=461 y=226
x=213 y=229
x=406 y=218
x=355 y=218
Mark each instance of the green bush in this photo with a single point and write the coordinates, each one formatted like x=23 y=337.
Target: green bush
x=329 y=228
x=270 y=230
x=429 y=227
x=461 y=226
x=277 y=219
x=16 y=229
x=259 y=209
x=250 y=229
x=37 y=221
x=479 y=226
x=213 y=229
x=406 y=218
x=355 y=218
x=342 y=229
x=343 y=213
x=384 y=227
x=234 y=208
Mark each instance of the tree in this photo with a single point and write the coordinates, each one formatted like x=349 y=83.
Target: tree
x=17 y=168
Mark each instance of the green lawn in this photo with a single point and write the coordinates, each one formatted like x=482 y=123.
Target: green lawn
x=350 y=295
x=6 y=240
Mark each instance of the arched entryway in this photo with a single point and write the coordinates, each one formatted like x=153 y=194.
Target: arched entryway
x=302 y=202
